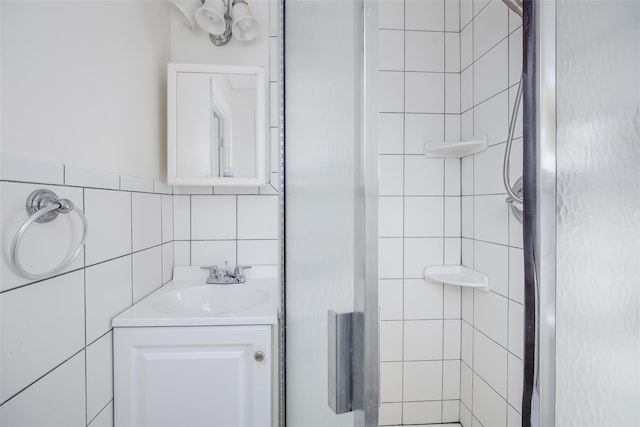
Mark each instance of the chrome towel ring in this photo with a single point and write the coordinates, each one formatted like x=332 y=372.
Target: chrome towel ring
x=44 y=206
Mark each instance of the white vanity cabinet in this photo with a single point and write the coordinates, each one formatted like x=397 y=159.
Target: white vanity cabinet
x=193 y=376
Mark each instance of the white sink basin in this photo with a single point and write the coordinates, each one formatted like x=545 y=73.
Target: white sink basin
x=188 y=301
x=211 y=299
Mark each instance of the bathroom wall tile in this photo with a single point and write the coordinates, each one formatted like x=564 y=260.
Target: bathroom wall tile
x=422 y=300
x=452 y=209
x=229 y=190
x=390 y=216
x=488 y=171
x=515 y=376
x=213 y=252
x=189 y=190
x=490 y=315
x=451 y=379
x=94 y=178
x=390 y=133
x=517 y=133
x=109 y=216
x=104 y=418
x=146 y=224
x=43 y=246
x=258 y=217
x=59 y=398
x=466 y=47
x=99 y=375
x=390 y=175
x=516 y=275
x=493 y=260
x=391 y=341
x=490 y=27
x=452 y=301
x=46 y=315
x=422 y=380
x=452 y=336
x=452 y=177
x=466 y=12
x=426 y=51
x=274 y=58
x=467 y=253
x=42 y=171
x=419 y=253
x=108 y=289
x=490 y=118
x=423 y=216
x=466 y=125
x=515 y=230
x=167 y=262
x=423 y=176
x=258 y=252
x=134 y=183
x=182 y=217
x=466 y=343
x=515 y=164
x=421 y=412
x=182 y=253
x=424 y=15
x=515 y=56
x=452 y=93
x=515 y=21
x=488 y=407
x=162 y=187
x=490 y=222
x=466 y=388
x=422 y=128
x=514 y=419
x=274 y=105
x=491 y=73
x=390 y=258
x=452 y=15
x=452 y=50
x=423 y=340
x=516 y=329
x=452 y=250
x=213 y=217
x=391 y=381
x=466 y=305
x=390 y=414
x=466 y=89
x=489 y=362
x=391 y=301
x=391 y=50
x=274 y=149
x=390 y=92
x=391 y=14
x=167 y=218
x=478 y=6
x=467 y=216
x=424 y=92
x=450 y=411
x=452 y=127
x=146 y=272
x=466 y=165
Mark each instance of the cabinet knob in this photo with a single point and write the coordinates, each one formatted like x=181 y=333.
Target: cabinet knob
x=259 y=356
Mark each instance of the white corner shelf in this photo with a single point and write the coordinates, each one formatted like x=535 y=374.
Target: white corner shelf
x=457 y=275
x=456 y=150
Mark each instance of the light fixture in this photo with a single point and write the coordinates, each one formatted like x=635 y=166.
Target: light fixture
x=222 y=19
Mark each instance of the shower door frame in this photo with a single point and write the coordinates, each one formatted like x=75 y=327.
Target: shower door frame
x=543 y=227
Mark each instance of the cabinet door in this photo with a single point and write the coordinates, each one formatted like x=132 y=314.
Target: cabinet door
x=192 y=376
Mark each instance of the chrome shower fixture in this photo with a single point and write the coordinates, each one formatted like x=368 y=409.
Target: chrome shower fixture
x=515 y=5
x=221 y=19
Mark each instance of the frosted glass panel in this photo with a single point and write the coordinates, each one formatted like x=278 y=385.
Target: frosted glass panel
x=321 y=124
x=598 y=239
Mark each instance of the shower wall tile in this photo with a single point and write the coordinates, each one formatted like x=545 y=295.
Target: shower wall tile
x=493 y=260
x=423 y=176
x=420 y=252
x=390 y=214
x=391 y=297
x=391 y=382
x=452 y=51
x=491 y=118
x=424 y=15
x=450 y=411
x=391 y=50
x=391 y=92
x=489 y=360
x=391 y=337
x=422 y=380
x=491 y=72
x=452 y=177
x=452 y=93
x=391 y=14
x=422 y=413
x=515 y=56
x=427 y=51
x=390 y=414
x=452 y=127
x=423 y=340
x=514 y=386
x=452 y=15
x=488 y=406
x=390 y=175
x=424 y=92
x=490 y=27
x=390 y=133
x=390 y=258
x=422 y=128
x=416 y=209
x=104 y=418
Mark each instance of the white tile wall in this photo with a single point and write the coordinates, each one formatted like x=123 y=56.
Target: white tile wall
x=99 y=375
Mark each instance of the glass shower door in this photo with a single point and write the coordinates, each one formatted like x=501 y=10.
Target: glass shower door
x=330 y=212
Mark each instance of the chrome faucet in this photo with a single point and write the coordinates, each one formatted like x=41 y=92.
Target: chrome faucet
x=226 y=275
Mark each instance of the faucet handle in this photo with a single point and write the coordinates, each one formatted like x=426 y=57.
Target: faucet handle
x=239 y=272
x=213 y=270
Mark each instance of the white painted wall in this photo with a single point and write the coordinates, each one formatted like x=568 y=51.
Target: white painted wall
x=84 y=83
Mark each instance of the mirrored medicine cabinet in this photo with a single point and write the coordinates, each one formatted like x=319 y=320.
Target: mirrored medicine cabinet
x=216 y=125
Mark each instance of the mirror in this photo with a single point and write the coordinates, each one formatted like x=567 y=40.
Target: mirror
x=216 y=125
